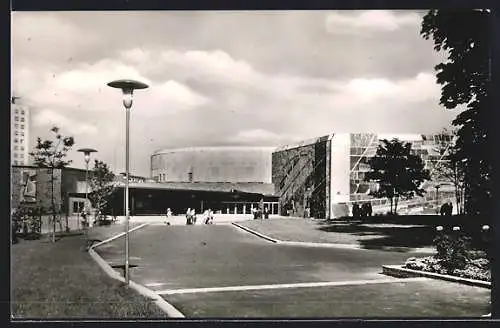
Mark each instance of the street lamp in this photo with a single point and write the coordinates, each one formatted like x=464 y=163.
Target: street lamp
x=437 y=197
x=86 y=153
x=127 y=87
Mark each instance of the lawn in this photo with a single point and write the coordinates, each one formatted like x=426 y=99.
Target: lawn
x=60 y=281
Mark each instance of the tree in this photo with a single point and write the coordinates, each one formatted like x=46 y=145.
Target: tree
x=465 y=80
x=397 y=171
x=102 y=186
x=50 y=154
x=448 y=168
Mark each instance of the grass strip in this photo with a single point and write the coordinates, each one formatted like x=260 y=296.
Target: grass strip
x=60 y=281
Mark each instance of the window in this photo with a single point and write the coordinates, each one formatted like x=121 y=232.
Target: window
x=22 y=112
x=16 y=140
x=17 y=111
x=16 y=148
x=17 y=126
x=21 y=140
x=21 y=155
x=22 y=134
x=22 y=126
x=16 y=133
x=22 y=119
x=22 y=147
x=16 y=118
x=15 y=155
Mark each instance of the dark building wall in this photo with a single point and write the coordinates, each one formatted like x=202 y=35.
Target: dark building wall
x=299 y=175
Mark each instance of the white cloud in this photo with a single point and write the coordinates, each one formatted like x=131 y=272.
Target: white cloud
x=51 y=118
x=370 y=21
x=260 y=135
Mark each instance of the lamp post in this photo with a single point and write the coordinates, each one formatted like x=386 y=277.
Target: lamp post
x=86 y=153
x=127 y=87
x=437 y=197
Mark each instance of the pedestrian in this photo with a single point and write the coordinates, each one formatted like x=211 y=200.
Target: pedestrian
x=188 y=216
x=266 y=213
x=168 y=214
x=355 y=210
x=205 y=216
x=443 y=209
x=370 y=209
x=193 y=216
x=254 y=213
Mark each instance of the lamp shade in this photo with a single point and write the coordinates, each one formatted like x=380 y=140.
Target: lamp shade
x=127 y=87
x=86 y=152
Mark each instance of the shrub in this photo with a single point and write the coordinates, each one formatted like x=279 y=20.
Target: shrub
x=453 y=250
x=28 y=220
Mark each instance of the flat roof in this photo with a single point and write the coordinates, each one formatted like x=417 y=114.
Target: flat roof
x=266 y=189
x=214 y=148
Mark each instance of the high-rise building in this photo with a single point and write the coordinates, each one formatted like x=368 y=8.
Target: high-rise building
x=20 y=132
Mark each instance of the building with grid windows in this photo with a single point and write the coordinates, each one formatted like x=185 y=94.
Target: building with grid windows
x=20 y=129
x=324 y=177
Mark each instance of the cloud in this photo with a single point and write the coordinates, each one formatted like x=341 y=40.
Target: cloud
x=43 y=37
x=370 y=21
x=51 y=118
x=263 y=136
x=85 y=88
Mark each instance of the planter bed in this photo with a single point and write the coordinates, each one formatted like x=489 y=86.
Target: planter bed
x=475 y=273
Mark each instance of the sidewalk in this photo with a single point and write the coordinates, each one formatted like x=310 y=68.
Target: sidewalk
x=181 y=219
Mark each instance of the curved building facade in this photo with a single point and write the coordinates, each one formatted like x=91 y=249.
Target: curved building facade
x=213 y=164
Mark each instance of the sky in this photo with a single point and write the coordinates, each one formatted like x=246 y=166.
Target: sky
x=249 y=78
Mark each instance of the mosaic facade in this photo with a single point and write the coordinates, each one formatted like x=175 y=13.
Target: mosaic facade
x=346 y=158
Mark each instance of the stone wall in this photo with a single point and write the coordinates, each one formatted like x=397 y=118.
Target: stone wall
x=299 y=176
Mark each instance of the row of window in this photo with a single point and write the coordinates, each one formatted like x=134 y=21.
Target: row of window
x=18 y=140
x=17 y=126
x=20 y=155
x=16 y=118
x=22 y=111
x=19 y=148
x=19 y=133
x=162 y=177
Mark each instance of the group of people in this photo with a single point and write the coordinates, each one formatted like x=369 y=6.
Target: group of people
x=208 y=216
x=446 y=209
x=362 y=211
x=259 y=214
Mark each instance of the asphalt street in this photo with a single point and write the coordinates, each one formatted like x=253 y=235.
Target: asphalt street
x=190 y=257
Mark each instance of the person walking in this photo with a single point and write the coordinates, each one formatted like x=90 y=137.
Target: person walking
x=188 y=216
x=168 y=214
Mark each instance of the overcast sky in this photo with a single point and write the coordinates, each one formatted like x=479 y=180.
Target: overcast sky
x=223 y=78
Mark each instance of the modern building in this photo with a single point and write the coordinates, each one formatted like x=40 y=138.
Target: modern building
x=325 y=176
x=31 y=186
x=231 y=180
x=20 y=132
x=213 y=164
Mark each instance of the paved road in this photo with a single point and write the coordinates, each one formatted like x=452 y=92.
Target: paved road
x=189 y=257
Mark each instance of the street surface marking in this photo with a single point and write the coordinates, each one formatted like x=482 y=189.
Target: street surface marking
x=283 y=286
x=156 y=284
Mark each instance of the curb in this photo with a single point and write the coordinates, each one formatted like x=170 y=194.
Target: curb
x=400 y=272
x=258 y=234
x=119 y=235
x=166 y=307
x=328 y=245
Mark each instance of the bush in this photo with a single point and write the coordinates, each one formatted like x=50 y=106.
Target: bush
x=453 y=250
x=27 y=222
